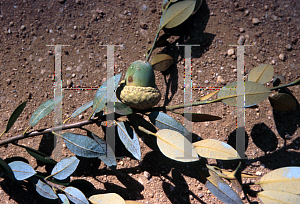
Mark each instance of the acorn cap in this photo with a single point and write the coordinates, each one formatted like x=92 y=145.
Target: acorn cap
x=139 y=97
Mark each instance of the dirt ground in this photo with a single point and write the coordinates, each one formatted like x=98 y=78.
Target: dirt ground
x=27 y=73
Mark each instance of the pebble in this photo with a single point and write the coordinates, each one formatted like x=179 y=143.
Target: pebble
x=206 y=81
x=220 y=80
x=288 y=47
x=255 y=21
x=255 y=57
x=147 y=174
x=273 y=62
x=241 y=40
x=258 y=173
x=69 y=83
x=281 y=56
x=73 y=75
x=143 y=25
x=11 y=23
x=73 y=36
x=8 y=81
x=242 y=30
x=81 y=117
x=230 y=52
x=61 y=1
x=23 y=27
x=78 y=1
x=247 y=12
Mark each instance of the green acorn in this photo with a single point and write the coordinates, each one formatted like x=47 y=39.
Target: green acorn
x=139 y=89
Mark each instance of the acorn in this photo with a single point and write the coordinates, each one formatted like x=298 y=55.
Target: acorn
x=139 y=90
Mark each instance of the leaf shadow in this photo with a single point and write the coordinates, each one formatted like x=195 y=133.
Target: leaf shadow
x=263 y=137
x=191 y=32
x=287 y=122
x=25 y=194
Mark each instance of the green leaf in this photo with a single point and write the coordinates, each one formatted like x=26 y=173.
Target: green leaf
x=75 y=195
x=221 y=189
x=161 y=62
x=82 y=109
x=215 y=149
x=164 y=121
x=102 y=93
x=109 y=158
x=197 y=6
x=282 y=102
x=43 y=189
x=82 y=145
x=254 y=93
x=278 y=197
x=63 y=198
x=283 y=179
x=21 y=170
x=208 y=96
x=44 y=110
x=107 y=198
x=121 y=108
x=129 y=139
x=177 y=14
x=200 y=117
x=14 y=116
x=7 y=170
x=261 y=74
x=64 y=168
x=38 y=155
x=175 y=146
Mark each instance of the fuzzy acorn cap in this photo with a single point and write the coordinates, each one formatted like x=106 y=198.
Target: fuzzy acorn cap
x=140 y=97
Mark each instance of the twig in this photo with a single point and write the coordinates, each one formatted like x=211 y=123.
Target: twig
x=50 y=130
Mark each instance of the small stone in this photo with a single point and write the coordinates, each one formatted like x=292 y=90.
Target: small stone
x=121 y=163
x=230 y=52
x=78 y=1
x=242 y=30
x=8 y=81
x=73 y=36
x=23 y=27
x=73 y=75
x=234 y=70
x=147 y=174
x=29 y=95
x=236 y=4
x=11 y=23
x=288 y=47
x=220 y=80
x=258 y=173
x=69 y=83
x=255 y=57
x=151 y=195
x=191 y=197
x=247 y=12
x=81 y=117
x=206 y=81
x=266 y=7
x=255 y=21
x=281 y=56
x=200 y=195
x=273 y=62
x=143 y=25
x=61 y=1
x=241 y=40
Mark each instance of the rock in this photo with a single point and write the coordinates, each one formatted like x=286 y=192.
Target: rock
x=8 y=81
x=273 y=62
x=242 y=30
x=255 y=21
x=281 y=56
x=81 y=117
x=69 y=83
x=61 y=1
x=78 y=1
x=241 y=40
x=11 y=23
x=220 y=80
x=288 y=47
x=147 y=174
x=143 y=25
x=73 y=36
x=247 y=12
x=23 y=27
x=230 y=52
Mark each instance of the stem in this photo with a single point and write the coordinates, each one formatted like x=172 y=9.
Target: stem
x=294 y=83
x=50 y=130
